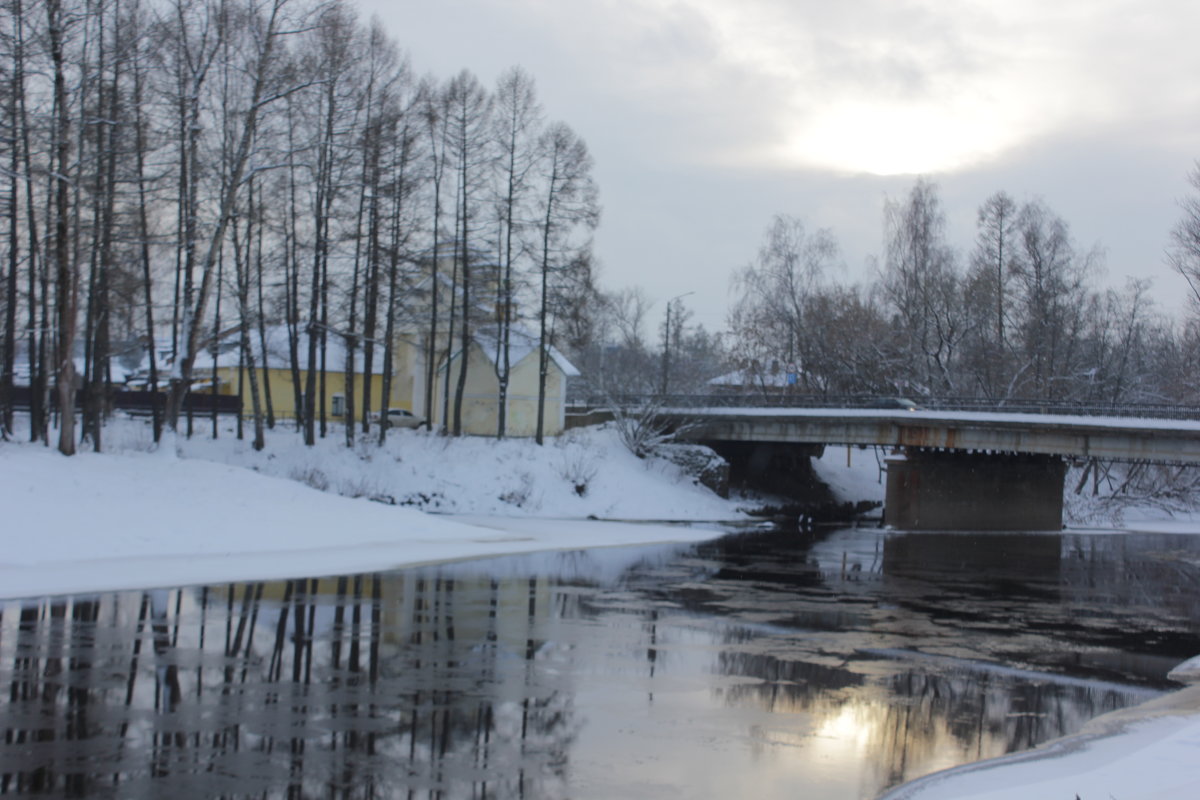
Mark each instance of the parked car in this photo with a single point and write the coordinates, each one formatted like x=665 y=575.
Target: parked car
x=400 y=418
x=896 y=402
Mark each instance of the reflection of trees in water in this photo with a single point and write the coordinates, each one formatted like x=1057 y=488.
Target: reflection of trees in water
x=919 y=720
x=1135 y=572
x=982 y=714
x=366 y=686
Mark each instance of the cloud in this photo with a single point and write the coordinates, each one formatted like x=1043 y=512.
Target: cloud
x=880 y=86
x=706 y=117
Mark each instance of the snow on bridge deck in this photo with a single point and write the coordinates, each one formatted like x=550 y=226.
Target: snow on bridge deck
x=1072 y=436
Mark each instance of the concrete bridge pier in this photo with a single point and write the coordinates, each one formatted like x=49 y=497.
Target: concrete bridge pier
x=952 y=490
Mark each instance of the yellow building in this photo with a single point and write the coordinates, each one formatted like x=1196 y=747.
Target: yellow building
x=481 y=398
x=276 y=375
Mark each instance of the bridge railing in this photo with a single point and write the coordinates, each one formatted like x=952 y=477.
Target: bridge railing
x=1178 y=411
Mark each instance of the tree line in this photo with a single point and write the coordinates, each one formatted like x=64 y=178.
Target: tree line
x=1021 y=315
x=179 y=174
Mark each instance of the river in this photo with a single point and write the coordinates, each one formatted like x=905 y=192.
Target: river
x=763 y=664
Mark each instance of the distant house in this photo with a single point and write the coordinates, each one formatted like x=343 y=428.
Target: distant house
x=481 y=397
x=276 y=375
x=410 y=373
x=755 y=379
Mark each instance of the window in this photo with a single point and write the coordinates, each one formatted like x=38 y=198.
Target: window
x=339 y=405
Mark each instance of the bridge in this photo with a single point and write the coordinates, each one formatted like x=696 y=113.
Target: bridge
x=951 y=469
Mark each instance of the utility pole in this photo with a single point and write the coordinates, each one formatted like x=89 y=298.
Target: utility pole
x=666 y=356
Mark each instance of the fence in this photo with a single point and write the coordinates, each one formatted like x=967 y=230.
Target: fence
x=143 y=402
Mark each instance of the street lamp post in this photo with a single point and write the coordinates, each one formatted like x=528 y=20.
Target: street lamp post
x=666 y=357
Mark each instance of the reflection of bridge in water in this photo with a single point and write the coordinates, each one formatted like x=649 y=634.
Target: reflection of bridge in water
x=958 y=469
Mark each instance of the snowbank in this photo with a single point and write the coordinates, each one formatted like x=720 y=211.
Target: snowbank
x=852 y=473
x=584 y=473
x=136 y=518
x=1147 y=752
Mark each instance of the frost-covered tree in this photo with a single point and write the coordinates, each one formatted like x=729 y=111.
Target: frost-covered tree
x=1183 y=253
x=921 y=283
x=772 y=318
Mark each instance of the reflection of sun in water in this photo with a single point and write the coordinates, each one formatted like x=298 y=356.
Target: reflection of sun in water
x=851 y=728
x=893 y=139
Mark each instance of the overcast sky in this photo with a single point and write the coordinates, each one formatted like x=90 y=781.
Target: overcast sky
x=707 y=117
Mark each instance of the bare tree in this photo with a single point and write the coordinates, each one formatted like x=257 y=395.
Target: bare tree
x=334 y=48
x=470 y=109
x=405 y=179
x=1049 y=278
x=1184 y=252
x=770 y=318
x=243 y=250
x=265 y=29
x=920 y=280
x=569 y=201
x=141 y=148
x=994 y=248
x=518 y=121
x=395 y=145
x=435 y=112
x=37 y=290
x=13 y=89
x=63 y=253
x=618 y=360
x=987 y=294
x=134 y=130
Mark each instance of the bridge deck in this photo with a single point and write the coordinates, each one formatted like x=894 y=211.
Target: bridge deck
x=1109 y=438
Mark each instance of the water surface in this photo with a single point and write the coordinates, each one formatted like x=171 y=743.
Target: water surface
x=762 y=664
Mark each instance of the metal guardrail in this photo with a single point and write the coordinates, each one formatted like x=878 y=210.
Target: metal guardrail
x=1017 y=406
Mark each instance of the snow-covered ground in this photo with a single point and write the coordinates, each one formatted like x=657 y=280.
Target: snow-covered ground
x=1149 y=752
x=206 y=511
x=216 y=510
x=584 y=473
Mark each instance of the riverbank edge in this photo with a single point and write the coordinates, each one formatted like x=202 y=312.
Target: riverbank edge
x=59 y=579
x=1175 y=704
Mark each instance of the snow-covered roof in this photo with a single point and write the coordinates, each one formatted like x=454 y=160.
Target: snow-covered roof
x=520 y=344
x=278 y=352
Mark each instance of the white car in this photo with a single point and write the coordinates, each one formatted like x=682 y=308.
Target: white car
x=401 y=418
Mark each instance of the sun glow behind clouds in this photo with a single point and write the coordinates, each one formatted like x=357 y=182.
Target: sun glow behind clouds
x=887 y=88
x=889 y=139
x=875 y=88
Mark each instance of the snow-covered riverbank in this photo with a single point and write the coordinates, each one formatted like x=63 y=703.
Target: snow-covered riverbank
x=218 y=511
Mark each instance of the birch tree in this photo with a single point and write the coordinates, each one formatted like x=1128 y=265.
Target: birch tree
x=920 y=279
x=770 y=317
x=1049 y=277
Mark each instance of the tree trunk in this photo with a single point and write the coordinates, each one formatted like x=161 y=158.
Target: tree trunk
x=144 y=247
x=66 y=281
